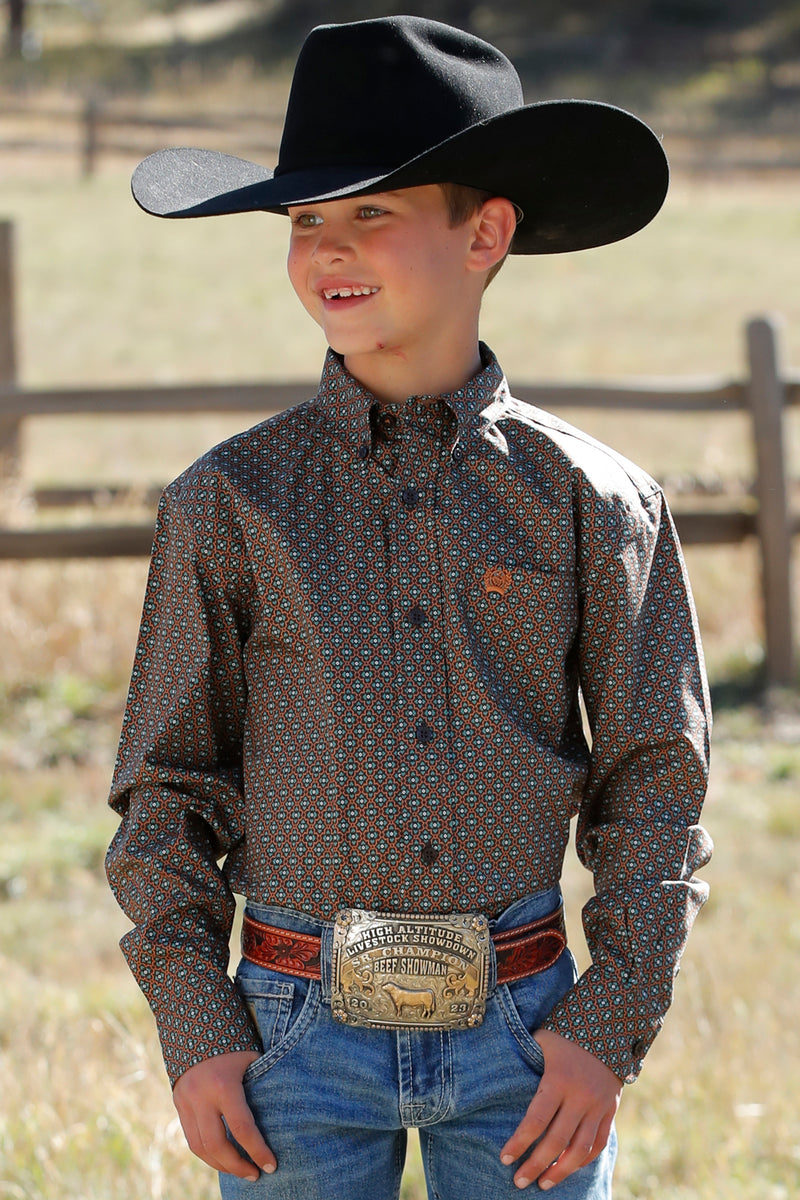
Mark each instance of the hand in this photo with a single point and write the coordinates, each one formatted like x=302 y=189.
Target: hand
x=209 y=1091
x=572 y=1113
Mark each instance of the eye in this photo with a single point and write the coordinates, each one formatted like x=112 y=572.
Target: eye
x=307 y=220
x=368 y=211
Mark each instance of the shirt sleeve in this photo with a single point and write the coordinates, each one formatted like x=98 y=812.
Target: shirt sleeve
x=644 y=687
x=178 y=780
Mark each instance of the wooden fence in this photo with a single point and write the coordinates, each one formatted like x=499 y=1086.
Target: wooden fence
x=765 y=394
x=93 y=128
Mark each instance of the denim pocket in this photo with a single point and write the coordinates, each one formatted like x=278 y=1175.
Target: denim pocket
x=526 y=1004
x=282 y=1009
x=519 y=1028
x=269 y=1003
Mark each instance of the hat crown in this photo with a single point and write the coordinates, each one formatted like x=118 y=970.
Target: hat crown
x=400 y=102
x=383 y=91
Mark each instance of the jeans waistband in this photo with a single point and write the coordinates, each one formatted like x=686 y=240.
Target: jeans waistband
x=528 y=908
x=521 y=912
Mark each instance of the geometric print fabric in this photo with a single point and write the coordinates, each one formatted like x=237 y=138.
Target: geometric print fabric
x=364 y=638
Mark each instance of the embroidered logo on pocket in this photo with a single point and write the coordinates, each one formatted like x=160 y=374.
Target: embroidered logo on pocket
x=496 y=579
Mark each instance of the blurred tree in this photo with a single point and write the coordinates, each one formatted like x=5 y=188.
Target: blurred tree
x=521 y=16
x=16 y=26
x=304 y=14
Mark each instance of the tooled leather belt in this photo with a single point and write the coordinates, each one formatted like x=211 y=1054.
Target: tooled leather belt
x=520 y=952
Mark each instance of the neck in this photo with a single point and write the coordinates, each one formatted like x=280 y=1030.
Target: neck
x=392 y=378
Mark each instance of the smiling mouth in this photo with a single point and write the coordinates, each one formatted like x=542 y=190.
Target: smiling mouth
x=344 y=293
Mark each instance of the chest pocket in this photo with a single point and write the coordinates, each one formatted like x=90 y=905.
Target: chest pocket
x=520 y=621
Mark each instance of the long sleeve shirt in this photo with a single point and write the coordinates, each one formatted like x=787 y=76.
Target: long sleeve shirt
x=365 y=637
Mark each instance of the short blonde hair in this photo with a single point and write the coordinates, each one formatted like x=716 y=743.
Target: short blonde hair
x=462 y=201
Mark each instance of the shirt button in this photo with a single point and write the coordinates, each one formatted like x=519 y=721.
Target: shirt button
x=410 y=497
x=638 y=1048
x=429 y=854
x=424 y=733
x=363 y=451
x=417 y=616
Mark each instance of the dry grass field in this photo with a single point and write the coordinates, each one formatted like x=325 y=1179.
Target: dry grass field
x=86 y=1111
x=107 y=295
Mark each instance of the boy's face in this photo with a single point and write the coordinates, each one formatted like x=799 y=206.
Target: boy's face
x=385 y=275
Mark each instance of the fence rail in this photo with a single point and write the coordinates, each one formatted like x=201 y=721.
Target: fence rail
x=90 y=128
x=766 y=393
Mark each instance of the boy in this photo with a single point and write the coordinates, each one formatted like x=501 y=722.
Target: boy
x=364 y=634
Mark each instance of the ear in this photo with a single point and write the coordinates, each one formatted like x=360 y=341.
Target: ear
x=494 y=225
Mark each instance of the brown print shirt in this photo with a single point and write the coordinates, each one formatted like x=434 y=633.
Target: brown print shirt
x=357 y=678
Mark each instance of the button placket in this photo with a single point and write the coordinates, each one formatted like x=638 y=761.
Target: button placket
x=415 y=590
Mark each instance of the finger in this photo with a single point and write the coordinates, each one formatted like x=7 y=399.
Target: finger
x=601 y=1137
x=548 y=1150
x=191 y=1132
x=242 y=1127
x=578 y=1153
x=223 y=1156
x=538 y=1115
x=208 y=1140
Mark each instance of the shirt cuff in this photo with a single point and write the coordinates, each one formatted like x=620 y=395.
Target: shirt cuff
x=198 y=1010
x=614 y=1021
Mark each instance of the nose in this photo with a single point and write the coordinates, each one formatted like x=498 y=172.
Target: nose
x=332 y=245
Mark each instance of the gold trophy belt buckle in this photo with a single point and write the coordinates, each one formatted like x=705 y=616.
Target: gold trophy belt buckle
x=410 y=972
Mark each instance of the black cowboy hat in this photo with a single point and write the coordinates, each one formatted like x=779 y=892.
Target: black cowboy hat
x=402 y=101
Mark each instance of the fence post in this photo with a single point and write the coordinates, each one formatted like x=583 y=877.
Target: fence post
x=774 y=524
x=91 y=126
x=9 y=426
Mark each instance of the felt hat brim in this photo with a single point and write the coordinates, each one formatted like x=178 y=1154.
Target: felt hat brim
x=584 y=174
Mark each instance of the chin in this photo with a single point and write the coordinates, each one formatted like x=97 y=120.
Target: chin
x=354 y=347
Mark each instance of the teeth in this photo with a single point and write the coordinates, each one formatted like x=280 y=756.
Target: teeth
x=345 y=292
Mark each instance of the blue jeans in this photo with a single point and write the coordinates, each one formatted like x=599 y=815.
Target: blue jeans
x=334 y=1102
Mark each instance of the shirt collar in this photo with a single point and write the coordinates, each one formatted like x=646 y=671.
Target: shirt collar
x=343 y=400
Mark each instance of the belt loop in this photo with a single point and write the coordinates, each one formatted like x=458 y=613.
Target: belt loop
x=325 y=959
x=492 y=970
